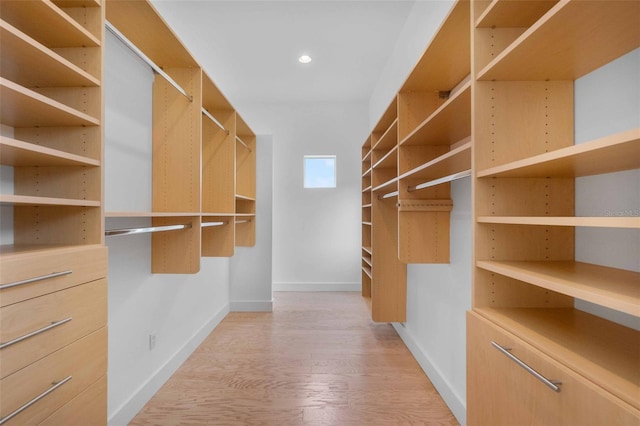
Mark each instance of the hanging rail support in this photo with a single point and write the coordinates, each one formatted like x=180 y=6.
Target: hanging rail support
x=215 y=121
x=243 y=143
x=113 y=30
x=147 y=230
x=445 y=179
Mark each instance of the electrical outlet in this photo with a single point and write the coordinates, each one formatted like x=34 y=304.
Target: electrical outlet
x=152 y=341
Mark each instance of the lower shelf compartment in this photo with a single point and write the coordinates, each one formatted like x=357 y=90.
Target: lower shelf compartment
x=604 y=352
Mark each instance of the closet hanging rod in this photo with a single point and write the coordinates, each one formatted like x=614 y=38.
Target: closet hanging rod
x=243 y=143
x=147 y=230
x=146 y=59
x=445 y=179
x=389 y=195
x=208 y=224
x=216 y=122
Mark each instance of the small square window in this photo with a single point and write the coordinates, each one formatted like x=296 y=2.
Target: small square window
x=319 y=171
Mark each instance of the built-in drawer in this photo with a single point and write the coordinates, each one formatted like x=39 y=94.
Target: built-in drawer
x=87 y=409
x=32 y=394
x=506 y=385
x=34 y=328
x=32 y=273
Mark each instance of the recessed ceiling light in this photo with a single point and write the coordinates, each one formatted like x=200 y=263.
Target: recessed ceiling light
x=304 y=59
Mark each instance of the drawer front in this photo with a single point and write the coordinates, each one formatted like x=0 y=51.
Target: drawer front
x=502 y=392
x=52 y=321
x=87 y=409
x=27 y=275
x=64 y=374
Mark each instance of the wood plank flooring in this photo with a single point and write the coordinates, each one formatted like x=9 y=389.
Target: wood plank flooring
x=316 y=360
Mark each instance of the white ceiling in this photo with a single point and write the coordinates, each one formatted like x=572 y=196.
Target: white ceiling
x=250 y=48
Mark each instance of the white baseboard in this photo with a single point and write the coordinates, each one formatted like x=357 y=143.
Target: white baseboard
x=127 y=411
x=353 y=286
x=456 y=404
x=251 y=306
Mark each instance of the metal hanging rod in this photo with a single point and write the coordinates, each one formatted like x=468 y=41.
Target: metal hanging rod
x=216 y=122
x=208 y=224
x=243 y=143
x=146 y=59
x=389 y=195
x=445 y=179
x=147 y=230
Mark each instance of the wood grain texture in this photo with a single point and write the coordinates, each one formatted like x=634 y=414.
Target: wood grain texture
x=317 y=359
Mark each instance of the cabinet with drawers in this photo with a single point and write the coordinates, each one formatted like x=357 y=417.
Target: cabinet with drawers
x=53 y=263
x=53 y=334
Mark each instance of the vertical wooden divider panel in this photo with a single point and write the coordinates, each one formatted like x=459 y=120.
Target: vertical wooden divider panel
x=176 y=252
x=389 y=283
x=177 y=149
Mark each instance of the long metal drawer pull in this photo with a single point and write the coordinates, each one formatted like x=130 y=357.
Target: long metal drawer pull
x=553 y=384
x=54 y=324
x=31 y=280
x=55 y=386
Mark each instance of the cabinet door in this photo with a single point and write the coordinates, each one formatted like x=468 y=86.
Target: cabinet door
x=502 y=392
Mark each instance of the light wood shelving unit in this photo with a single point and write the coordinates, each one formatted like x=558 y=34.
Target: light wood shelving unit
x=203 y=175
x=421 y=143
x=53 y=263
x=245 y=184
x=526 y=56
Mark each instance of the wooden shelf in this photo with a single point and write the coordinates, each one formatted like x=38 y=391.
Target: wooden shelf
x=245 y=215
x=613 y=153
x=366 y=223
x=18 y=154
x=584 y=34
x=150 y=214
x=388 y=160
x=367 y=270
x=212 y=98
x=454 y=161
x=368 y=250
x=244 y=197
x=366 y=206
x=60 y=29
x=368 y=188
x=386 y=185
x=28 y=200
x=367 y=259
x=599 y=222
x=388 y=140
x=368 y=172
x=447 y=59
x=368 y=154
x=145 y=28
x=604 y=352
x=613 y=288
x=77 y=3
x=210 y=214
x=510 y=14
x=22 y=107
x=448 y=124
x=29 y=63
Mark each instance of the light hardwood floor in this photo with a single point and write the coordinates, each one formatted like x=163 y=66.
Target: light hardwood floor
x=316 y=360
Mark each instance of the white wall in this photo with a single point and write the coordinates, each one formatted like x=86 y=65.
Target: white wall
x=315 y=243
x=437 y=295
x=607 y=102
x=180 y=310
x=250 y=269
